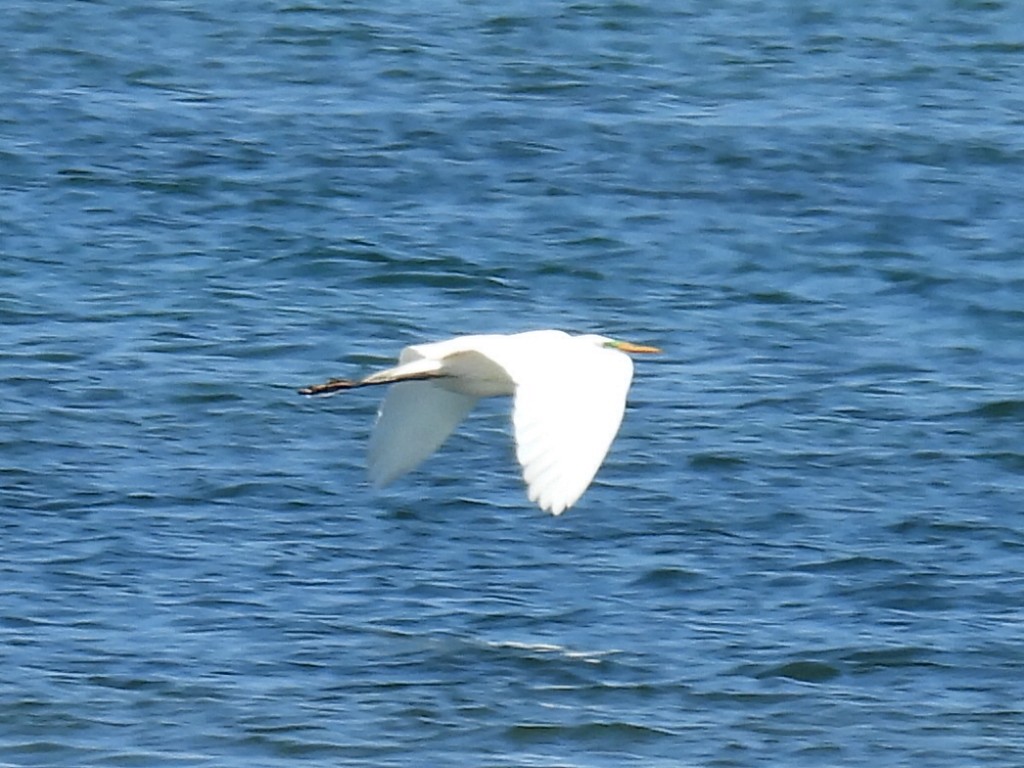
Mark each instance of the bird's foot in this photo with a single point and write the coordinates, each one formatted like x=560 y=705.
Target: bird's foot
x=329 y=386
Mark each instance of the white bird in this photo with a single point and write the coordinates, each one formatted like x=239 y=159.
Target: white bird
x=569 y=396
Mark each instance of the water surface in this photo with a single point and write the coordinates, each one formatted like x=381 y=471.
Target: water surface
x=805 y=546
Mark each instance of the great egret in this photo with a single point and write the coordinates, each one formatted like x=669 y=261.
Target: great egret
x=569 y=396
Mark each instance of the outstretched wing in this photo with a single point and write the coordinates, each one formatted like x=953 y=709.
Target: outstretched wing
x=568 y=408
x=414 y=420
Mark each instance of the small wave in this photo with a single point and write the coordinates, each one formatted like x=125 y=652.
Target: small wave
x=596 y=731
x=591 y=657
x=1000 y=410
x=804 y=671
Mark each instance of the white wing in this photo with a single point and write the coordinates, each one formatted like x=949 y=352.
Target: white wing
x=414 y=420
x=568 y=408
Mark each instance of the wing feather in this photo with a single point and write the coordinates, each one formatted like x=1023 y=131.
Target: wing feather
x=568 y=407
x=414 y=420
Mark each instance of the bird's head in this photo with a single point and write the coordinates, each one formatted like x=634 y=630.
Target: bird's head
x=622 y=346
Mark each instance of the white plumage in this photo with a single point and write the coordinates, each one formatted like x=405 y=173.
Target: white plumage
x=569 y=395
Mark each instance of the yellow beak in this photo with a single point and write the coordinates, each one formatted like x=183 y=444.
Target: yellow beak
x=626 y=346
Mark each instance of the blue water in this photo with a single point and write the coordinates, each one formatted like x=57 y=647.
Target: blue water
x=806 y=546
